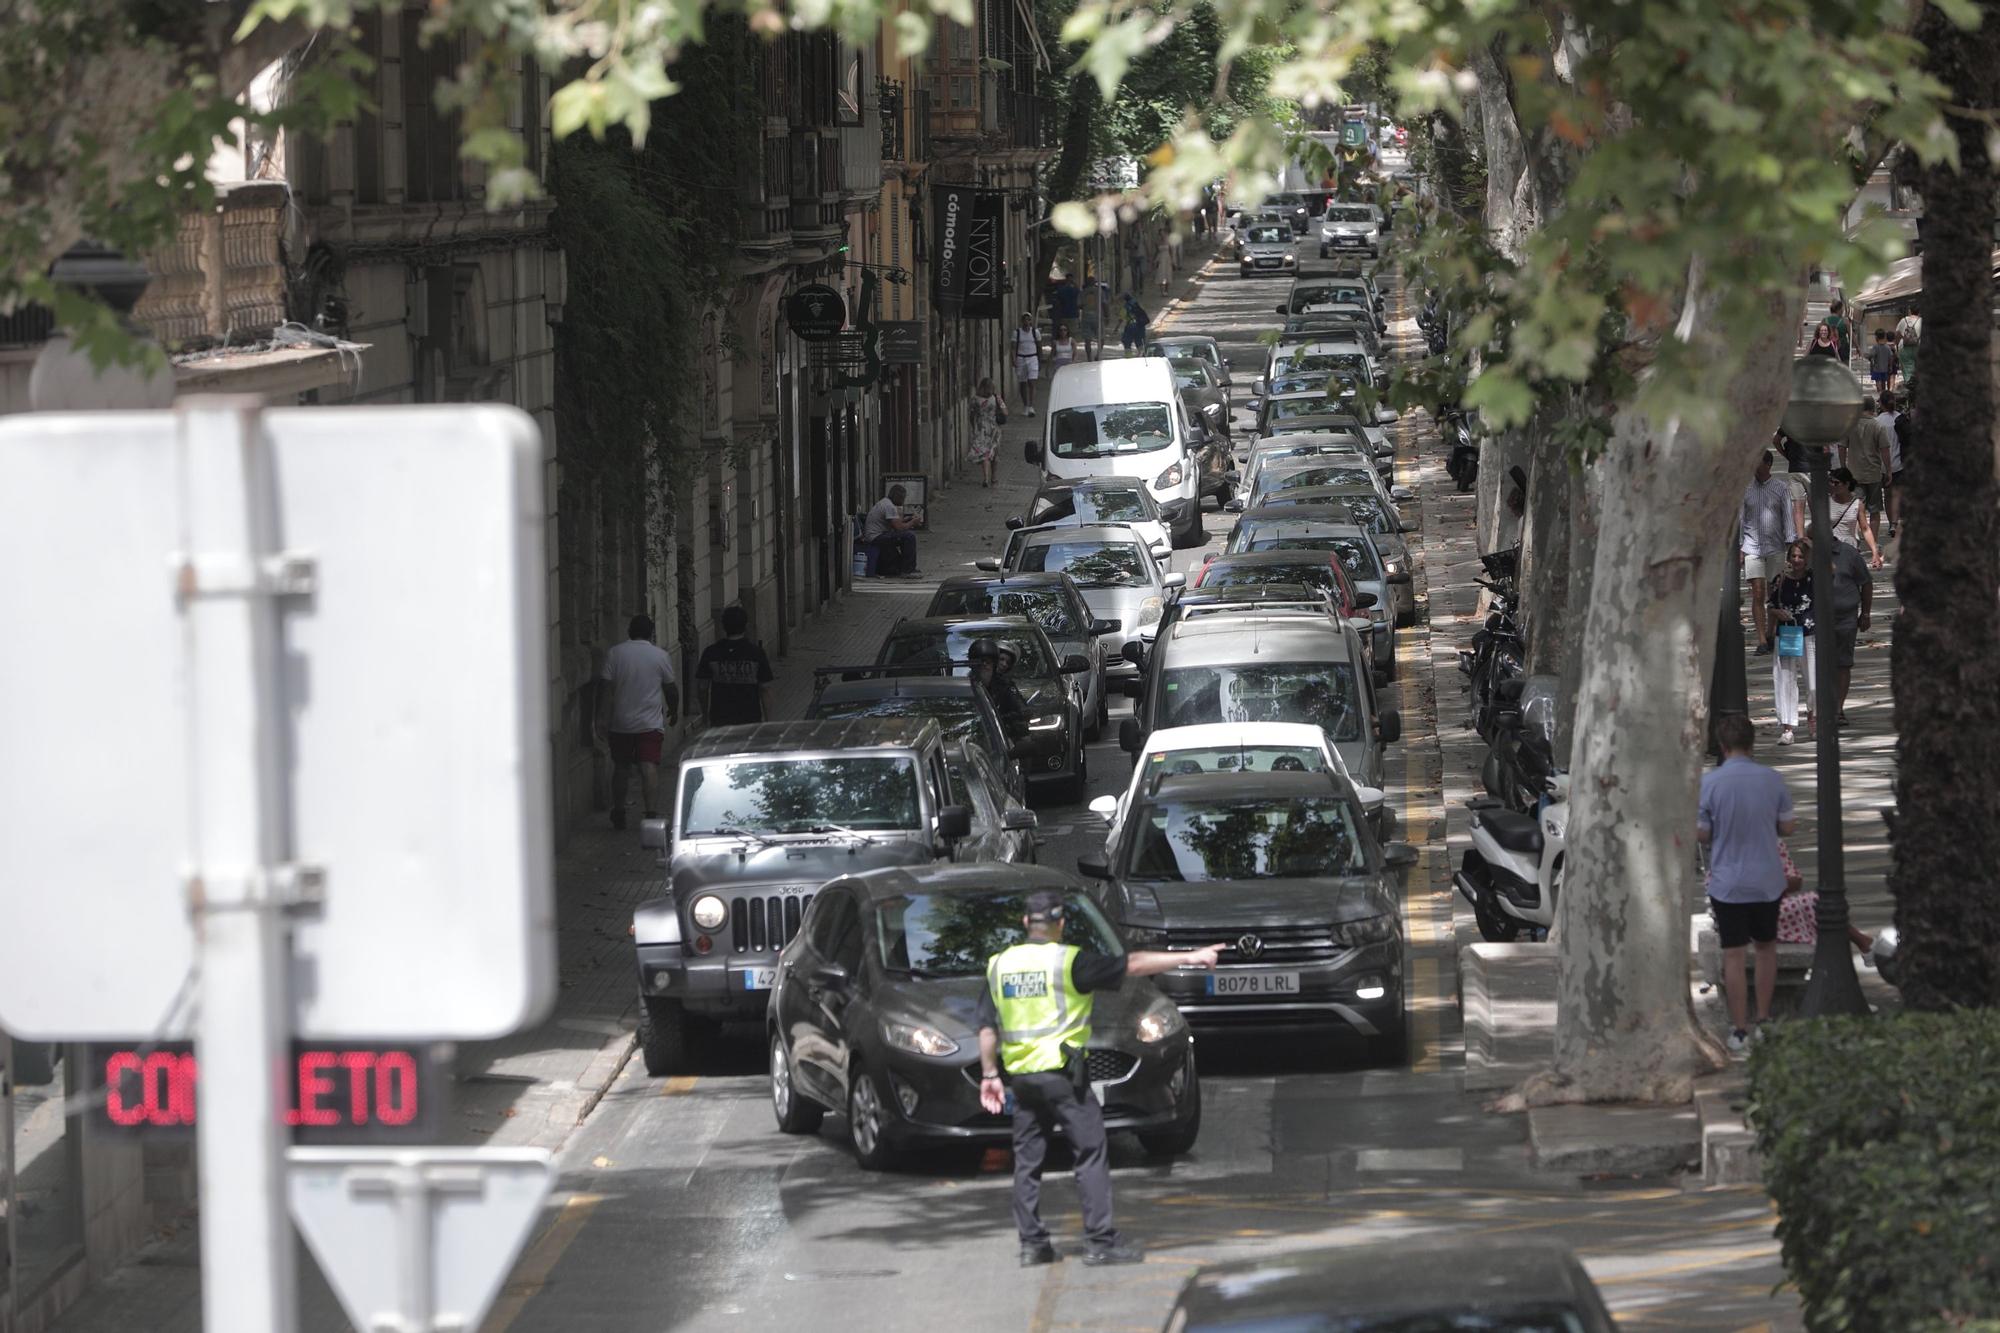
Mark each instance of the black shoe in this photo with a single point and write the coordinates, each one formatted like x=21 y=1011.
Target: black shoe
x=1034 y=1253
x=1101 y=1256
x=618 y=817
x=1763 y=650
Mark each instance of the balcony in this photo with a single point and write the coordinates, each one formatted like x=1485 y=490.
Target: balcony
x=766 y=195
x=889 y=96
x=1028 y=121
x=816 y=180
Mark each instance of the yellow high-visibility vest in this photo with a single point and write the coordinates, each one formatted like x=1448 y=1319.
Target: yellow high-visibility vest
x=1041 y=1010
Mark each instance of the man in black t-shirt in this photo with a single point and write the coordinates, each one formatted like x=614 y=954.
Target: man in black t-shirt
x=734 y=672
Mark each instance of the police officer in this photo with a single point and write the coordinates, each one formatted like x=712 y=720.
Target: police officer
x=1034 y=1021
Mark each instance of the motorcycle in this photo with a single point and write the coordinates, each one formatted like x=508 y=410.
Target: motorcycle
x=1463 y=465
x=1496 y=659
x=1512 y=872
x=1521 y=756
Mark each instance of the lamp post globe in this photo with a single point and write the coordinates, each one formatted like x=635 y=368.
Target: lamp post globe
x=1826 y=398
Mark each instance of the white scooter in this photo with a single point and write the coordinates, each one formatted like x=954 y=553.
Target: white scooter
x=1513 y=871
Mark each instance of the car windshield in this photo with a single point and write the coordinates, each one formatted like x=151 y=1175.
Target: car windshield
x=1322 y=693
x=953 y=934
x=1315 y=574
x=1199 y=842
x=1103 y=429
x=939 y=645
x=1346 y=295
x=1048 y=607
x=1093 y=504
x=957 y=715
x=1267 y=236
x=1091 y=564
x=1284 y=409
x=1233 y=759
x=1351 y=213
x=790 y=794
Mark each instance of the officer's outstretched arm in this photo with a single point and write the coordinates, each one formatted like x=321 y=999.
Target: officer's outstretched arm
x=1148 y=962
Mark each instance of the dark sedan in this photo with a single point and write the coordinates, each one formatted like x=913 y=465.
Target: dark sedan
x=960 y=706
x=1476 y=1285
x=873 y=1015
x=1282 y=865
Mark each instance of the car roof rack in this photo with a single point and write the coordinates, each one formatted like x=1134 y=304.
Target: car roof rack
x=822 y=675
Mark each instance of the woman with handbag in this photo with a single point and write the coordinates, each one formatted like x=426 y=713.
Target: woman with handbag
x=989 y=414
x=1791 y=600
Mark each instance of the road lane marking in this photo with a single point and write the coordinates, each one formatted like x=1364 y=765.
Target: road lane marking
x=532 y=1273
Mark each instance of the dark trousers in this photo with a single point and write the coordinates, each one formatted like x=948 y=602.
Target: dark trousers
x=1041 y=1102
x=895 y=552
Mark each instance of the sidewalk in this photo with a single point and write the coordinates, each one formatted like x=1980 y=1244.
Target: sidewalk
x=534 y=1088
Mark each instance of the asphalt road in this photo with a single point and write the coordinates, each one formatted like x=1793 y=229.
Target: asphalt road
x=683 y=1207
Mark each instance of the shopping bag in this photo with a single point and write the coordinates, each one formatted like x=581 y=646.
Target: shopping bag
x=1791 y=641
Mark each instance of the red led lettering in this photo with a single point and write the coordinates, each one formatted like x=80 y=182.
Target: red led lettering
x=167 y=1090
x=395 y=1088
x=314 y=1083
x=116 y=1070
x=357 y=1064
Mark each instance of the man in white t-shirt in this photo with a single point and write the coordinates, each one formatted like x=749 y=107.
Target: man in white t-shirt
x=1886 y=419
x=636 y=702
x=1770 y=524
x=893 y=536
x=1027 y=361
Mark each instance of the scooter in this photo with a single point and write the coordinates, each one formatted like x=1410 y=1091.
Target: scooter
x=1521 y=758
x=1463 y=465
x=1512 y=872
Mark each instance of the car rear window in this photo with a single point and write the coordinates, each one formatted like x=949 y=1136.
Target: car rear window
x=1322 y=693
x=1048 y=607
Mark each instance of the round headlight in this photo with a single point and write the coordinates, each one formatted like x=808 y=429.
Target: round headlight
x=709 y=912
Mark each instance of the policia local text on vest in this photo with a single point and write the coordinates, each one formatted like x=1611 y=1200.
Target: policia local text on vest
x=1034 y=1023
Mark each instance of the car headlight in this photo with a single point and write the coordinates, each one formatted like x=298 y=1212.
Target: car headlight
x=1290 y=260
x=1046 y=722
x=1149 y=611
x=1391 y=565
x=917 y=1039
x=1368 y=930
x=1171 y=477
x=1161 y=1020
x=709 y=912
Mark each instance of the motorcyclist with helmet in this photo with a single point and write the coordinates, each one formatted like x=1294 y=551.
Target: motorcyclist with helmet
x=992 y=667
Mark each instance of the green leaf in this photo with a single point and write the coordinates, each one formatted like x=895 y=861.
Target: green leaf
x=1074 y=220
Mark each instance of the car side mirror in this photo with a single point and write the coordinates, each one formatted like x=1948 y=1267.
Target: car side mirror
x=1018 y=820
x=1389 y=726
x=1363 y=600
x=1091 y=867
x=1016 y=523
x=1370 y=798
x=1232 y=506
x=828 y=976
x=1389 y=415
x=1075 y=664
x=1161 y=550
x=1281 y=309
x=954 y=822
x=1257 y=385
x=653 y=833
x=1197 y=432
x=989 y=563
x=1099 y=627
x=1401 y=493
x=1134 y=652
x=1129 y=738
x=1255 y=404
x=1104 y=807
x=1174 y=580
x=1399 y=855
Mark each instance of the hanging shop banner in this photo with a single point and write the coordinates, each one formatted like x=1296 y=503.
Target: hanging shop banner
x=816 y=312
x=953 y=214
x=986 y=256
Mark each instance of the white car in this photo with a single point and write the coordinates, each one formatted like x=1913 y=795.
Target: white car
x=1351 y=228
x=1110 y=499
x=1233 y=747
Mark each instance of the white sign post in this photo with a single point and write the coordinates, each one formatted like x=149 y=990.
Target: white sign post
x=417 y=1240
x=273 y=756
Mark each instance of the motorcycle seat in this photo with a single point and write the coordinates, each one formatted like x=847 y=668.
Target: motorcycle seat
x=1514 y=832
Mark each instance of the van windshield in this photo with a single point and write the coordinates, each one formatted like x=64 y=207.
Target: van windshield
x=1106 y=429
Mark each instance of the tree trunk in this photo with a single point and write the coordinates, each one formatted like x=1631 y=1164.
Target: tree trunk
x=1946 y=873
x=1585 y=504
x=1625 y=1028
x=1545 y=582
x=1499 y=454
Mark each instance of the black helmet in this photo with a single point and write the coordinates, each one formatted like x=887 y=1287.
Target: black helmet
x=983 y=649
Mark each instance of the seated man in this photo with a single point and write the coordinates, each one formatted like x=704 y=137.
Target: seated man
x=893 y=536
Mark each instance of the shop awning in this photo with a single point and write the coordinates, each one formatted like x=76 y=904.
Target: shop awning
x=1903 y=283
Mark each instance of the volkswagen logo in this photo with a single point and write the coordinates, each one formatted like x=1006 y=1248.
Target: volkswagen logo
x=1250 y=946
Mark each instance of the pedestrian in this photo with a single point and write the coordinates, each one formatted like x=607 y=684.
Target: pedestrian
x=1909 y=334
x=1745 y=808
x=1065 y=300
x=1824 y=343
x=1090 y=324
x=1791 y=610
x=1062 y=348
x=1865 y=454
x=1890 y=419
x=637 y=700
x=1163 y=261
x=1034 y=1026
x=1882 y=361
x=1027 y=361
x=892 y=535
x=1798 y=910
x=989 y=414
x=1794 y=452
x=1847 y=604
x=736 y=672
x=1770 y=524
x=1133 y=335
x=1843 y=332
x=1850 y=516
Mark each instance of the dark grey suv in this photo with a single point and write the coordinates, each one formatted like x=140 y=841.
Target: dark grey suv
x=1283 y=869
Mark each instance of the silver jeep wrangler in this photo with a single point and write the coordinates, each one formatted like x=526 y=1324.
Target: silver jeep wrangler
x=763 y=815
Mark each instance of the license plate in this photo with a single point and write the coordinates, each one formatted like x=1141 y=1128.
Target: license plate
x=759 y=978
x=1253 y=983
x=1347 y=240
x=1267 y=263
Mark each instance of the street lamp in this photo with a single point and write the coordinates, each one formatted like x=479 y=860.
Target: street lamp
x=1826 y=398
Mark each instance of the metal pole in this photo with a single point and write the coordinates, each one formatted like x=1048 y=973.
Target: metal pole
x=1834 y=988
x=237 y=852
x=1729 y=681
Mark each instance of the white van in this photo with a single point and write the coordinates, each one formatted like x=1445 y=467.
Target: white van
x=1126 y=418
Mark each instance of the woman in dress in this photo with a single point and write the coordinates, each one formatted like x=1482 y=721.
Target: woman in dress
x=1791 y=604
x=989 y=414
x=1062 y=348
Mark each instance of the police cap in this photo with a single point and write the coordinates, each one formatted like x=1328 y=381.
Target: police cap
x=1045 y=905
